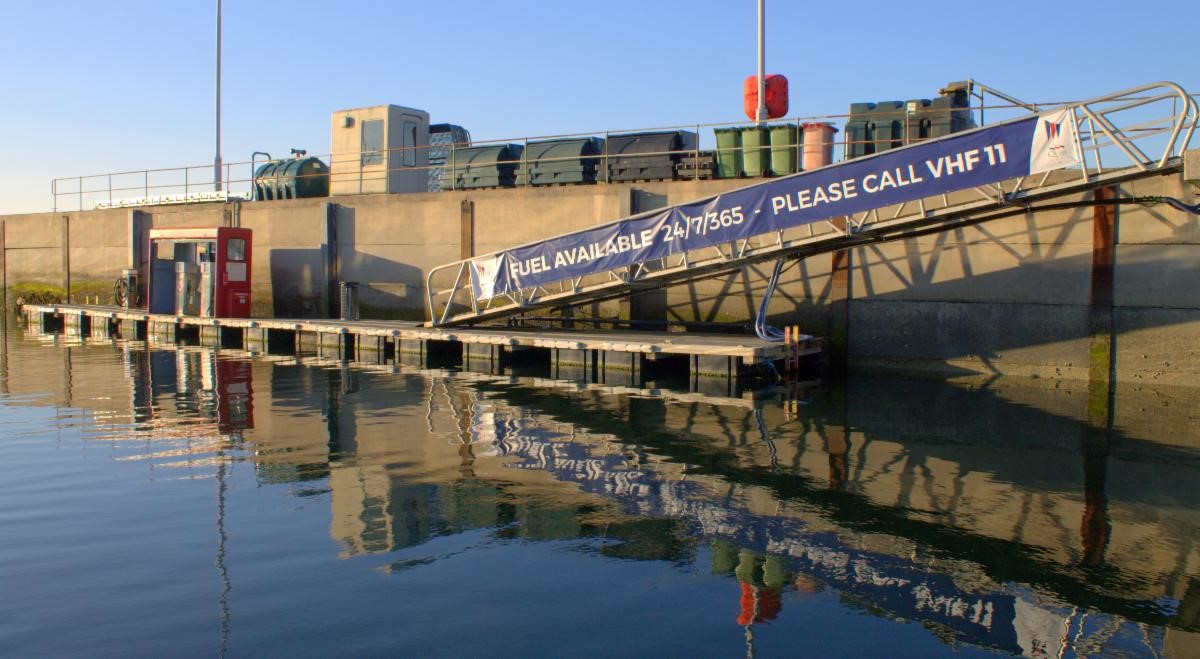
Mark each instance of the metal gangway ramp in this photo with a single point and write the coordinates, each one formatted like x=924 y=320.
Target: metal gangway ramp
x=933 y=185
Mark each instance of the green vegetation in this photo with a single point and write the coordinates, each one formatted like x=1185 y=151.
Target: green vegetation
x=41 y=293
x=1099 y=374
x=372 y=312
x=35 y=293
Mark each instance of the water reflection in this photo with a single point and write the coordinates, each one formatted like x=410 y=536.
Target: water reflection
x=1004 y=518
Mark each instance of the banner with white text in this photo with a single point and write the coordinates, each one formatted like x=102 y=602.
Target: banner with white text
x=1040 y=143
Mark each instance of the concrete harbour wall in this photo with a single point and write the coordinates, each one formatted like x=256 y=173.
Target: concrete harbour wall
x=1016 y=296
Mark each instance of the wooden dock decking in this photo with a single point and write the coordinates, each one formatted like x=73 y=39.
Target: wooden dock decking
x=488 y=350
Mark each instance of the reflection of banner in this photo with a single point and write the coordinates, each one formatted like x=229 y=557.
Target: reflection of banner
x=1036 y=144
x=898 y=585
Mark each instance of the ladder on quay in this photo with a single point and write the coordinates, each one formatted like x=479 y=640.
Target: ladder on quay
x=1136 y=133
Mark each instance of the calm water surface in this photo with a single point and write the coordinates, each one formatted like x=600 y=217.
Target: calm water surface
x=199 y=503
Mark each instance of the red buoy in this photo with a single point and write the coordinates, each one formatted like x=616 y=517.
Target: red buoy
x=776 y=87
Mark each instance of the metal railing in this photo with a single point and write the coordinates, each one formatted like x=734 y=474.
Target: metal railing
x=86 y=191
x=1120 y=136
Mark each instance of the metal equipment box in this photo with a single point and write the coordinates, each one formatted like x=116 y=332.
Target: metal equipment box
x=383 y=148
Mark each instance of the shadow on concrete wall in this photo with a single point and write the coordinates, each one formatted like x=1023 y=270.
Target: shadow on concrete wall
x=943 y=297
x=299 y=286
x=648 y=309
x=387 y=288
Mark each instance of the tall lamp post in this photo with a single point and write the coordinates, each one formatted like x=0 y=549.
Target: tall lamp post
x=761 y=114
x=217 y=160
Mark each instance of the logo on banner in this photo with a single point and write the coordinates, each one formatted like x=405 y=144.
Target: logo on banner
x=483 y=276
x=1053 y=145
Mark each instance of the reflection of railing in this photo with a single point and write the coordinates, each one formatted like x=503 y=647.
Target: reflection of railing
x=80 y=192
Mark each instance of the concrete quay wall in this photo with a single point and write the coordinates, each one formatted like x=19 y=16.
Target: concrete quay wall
x=1047 y=294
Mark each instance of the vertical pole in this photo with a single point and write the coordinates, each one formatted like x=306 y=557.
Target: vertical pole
x=837 y=438
x=982 y=102
x=837 y=446
x=796 y=352
x=4 y=377
x=761 y=114
x=3 y=268
x=1101 y=359
x=331 y=260
x=787 y=352
x=466 y=240
x=839 y=303
x=136 y=256
x=1095 y=527
x=66 y=255
x=217 y=160
x=607 y=177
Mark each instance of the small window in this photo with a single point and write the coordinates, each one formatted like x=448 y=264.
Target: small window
x=164 y=250
x=235 y=249
x=372 y=142
x=410 y=144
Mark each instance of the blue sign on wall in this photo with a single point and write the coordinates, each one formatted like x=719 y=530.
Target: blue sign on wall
x=1039 y=143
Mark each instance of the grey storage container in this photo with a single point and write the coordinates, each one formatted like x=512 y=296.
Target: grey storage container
x=647 y=156
x=552 y=162
x=876 y=127
x=492 y=166
x=443 y=140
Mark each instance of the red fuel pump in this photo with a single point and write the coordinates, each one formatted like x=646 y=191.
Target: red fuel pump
x=200 y=272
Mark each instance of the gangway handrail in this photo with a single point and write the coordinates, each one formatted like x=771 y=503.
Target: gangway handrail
x=1089 y=125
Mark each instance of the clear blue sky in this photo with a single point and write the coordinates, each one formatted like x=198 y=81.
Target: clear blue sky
x=93 y=87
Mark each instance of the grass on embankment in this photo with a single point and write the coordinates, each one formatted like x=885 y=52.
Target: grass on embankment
x=92 y=290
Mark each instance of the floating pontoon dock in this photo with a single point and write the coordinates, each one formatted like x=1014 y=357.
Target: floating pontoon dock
x=712 y=361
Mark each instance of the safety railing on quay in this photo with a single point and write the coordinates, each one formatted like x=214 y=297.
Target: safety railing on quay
x=1117 y=137
x=194 y=183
